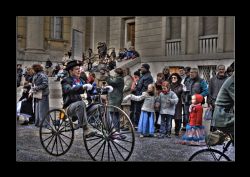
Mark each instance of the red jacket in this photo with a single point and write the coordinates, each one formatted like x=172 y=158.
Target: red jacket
x=195 y=116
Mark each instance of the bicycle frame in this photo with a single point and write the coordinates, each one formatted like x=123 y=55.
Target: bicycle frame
x=214 y=152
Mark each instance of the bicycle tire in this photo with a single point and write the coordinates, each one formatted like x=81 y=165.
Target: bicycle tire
x=56 y=137
x=208 y=154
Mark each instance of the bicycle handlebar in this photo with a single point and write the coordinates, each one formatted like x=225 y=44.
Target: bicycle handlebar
x=103 y=90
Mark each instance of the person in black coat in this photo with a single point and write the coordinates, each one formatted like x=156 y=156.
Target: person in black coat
x=142 y=86
x=26 y=106
x=19 y=72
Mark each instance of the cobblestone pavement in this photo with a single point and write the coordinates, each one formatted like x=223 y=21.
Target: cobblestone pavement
x=29 y=148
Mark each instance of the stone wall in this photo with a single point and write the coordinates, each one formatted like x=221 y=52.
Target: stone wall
x=148 y=35
x=115 y=33
x=151 y=33
x=229 y=34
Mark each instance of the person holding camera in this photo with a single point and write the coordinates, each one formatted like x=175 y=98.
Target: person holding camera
x=115 y=98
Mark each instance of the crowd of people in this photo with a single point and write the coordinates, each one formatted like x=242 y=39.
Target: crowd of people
x=34 y=107
x=151 y=106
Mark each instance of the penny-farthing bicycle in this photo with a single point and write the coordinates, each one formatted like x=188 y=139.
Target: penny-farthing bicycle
x=108 y=144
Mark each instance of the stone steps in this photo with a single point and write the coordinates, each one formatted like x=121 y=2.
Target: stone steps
x=55 y=96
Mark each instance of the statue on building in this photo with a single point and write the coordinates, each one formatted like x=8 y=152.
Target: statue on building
x=102 y=51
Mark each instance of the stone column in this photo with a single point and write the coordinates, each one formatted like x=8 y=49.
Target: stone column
x=221 y=31
x=99 y=30
x=229 y=35
x=16 y=35
x=163 y=37
x=79 y=23
x=168 y=34
x=193 y=35
x=35 y=36
x=183 y=34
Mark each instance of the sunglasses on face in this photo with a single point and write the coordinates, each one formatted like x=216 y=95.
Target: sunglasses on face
x=76 y=68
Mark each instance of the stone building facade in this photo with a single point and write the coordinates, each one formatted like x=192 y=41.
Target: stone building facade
x=196 y=41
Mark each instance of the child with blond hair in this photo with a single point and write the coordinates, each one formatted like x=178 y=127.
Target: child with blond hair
x=146 y=122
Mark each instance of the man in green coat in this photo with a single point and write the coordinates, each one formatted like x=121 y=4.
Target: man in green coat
x=116 y=96
x=224 y=106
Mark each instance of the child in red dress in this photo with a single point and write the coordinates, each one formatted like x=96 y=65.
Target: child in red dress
x=195 y=132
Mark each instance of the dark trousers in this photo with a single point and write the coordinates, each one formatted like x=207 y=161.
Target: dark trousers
x=185 y=114
x=157 y=126
x=177 y=125
x=115 y=120
x=166 y=122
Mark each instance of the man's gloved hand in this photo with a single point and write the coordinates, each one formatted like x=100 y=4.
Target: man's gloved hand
x=87 y=87
x=110 y=88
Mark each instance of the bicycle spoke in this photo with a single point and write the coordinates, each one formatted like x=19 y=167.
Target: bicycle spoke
x=125 y=140
x=50 y=141
x=117 y=150
x=49 y=125
x=128 y=132
x=111 y=151
x=68 y=125
x=108 y=152
x=60 y=142
x=53 y=146
x=96 y=127
x=63 y=140
x=46 y=133
x=56 y=146
x=103 y=150
x=95 y=144
x=111 y=133
x=99 y=148
x=120 y=146
x=65 y=136
x=48 y=137
x=60 y=124
x=93 y=139
x=97 y=124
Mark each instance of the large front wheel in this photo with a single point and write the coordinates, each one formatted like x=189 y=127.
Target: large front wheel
x=110 y=143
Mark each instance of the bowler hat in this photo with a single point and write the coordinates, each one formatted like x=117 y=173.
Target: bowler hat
x=72 y=64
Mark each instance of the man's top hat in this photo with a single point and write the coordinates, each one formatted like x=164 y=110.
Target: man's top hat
x=72 y=64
